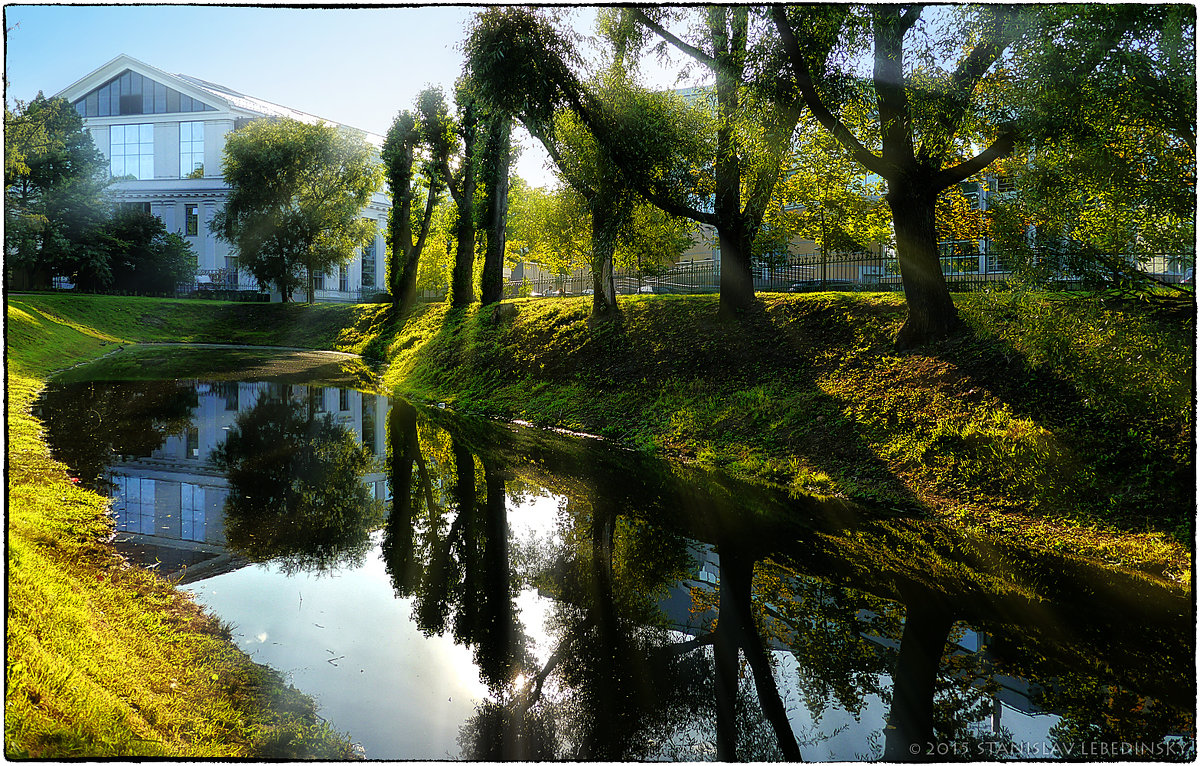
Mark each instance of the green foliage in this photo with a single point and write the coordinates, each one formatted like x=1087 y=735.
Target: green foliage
x=296 y=197
x=297 y=494
x=54 y=179
x=137 y=255
x=827 y=198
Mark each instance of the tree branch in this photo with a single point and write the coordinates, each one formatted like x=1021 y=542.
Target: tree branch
x=1001 y=147
x=895 y=117
x=962 y=84
x=816 y=106
x=682 y=46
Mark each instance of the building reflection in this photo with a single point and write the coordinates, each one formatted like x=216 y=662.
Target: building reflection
x=646 y=562
x=169 y=505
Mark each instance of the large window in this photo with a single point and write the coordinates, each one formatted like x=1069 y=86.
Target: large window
x=131 y=93
x=368 y=264
x=191 y=148
x=131 y=151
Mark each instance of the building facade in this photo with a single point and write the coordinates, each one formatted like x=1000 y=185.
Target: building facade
x=163 y=135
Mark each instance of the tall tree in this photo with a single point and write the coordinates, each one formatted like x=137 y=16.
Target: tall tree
x=930 y=119
x=462 y=187
x=754 y=119
x=429 y=128
x=496 y=161
x=295 y=199
x=524 y=67
x=54 y=181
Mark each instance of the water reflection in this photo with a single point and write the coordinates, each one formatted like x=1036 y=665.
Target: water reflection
x=684 y=615
x=296 y=489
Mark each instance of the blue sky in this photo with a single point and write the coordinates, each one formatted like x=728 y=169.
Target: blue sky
x=356 y=66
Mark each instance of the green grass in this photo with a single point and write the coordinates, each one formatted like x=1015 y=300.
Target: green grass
x=105 y=660
x=1062 y=423
x=1058 y=426
x=119 y=319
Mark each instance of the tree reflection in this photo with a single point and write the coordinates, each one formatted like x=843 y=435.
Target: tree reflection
x=446 y=545
x=855 y=602
x=296 y=489
x=90 y=424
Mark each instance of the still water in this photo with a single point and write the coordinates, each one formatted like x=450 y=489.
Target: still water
x=449 y=588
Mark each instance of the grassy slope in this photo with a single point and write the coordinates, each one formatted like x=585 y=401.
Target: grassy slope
x=104 y=659
x=1065 y=424
x=1057 y=425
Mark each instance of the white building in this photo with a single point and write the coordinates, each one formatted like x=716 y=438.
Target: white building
x=163 y=135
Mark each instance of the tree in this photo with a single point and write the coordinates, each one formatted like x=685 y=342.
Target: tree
x=930 y=119
x=462 y=187
x=523 y=67
x=54 y=181
x=827 y=198
x=495 y=160
x=137 y=255
x=295 y=200
x=430 y=129
x=754 y=119
x=296 y=490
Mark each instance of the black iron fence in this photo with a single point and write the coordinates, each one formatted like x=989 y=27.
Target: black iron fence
x=965 y=269
x=842 y=272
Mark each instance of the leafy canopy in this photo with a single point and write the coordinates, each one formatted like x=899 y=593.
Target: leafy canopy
x=296 y=195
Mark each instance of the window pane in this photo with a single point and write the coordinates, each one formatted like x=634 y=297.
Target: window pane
x=172 y=100
x=160 y=98
x=118 y=134
x=147 y=134
x=147 y=169
x=185 y=103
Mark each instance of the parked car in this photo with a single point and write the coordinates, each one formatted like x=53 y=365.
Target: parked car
x=816 y=285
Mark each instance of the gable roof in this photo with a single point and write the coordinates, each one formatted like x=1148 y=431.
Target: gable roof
x=215 y=96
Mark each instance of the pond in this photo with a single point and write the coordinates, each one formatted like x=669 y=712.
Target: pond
x=452 y=588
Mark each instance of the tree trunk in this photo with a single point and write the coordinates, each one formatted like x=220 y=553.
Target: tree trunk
x=737 y=281
x=931 y=313
x=406 y=296
x=493 y=258
x=311 y=291
x=604 y=291
x=909 y=729
x=462 y=279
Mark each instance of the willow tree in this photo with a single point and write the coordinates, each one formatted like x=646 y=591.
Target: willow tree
x=296 y=194
x=754 y=118
x=944 y=105
x=420 y=140
x=462 y=184
x=595 y=133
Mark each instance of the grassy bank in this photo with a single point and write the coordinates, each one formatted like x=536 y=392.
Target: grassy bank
x=105 y=659
x=1065 y=424
x=1062 y=426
